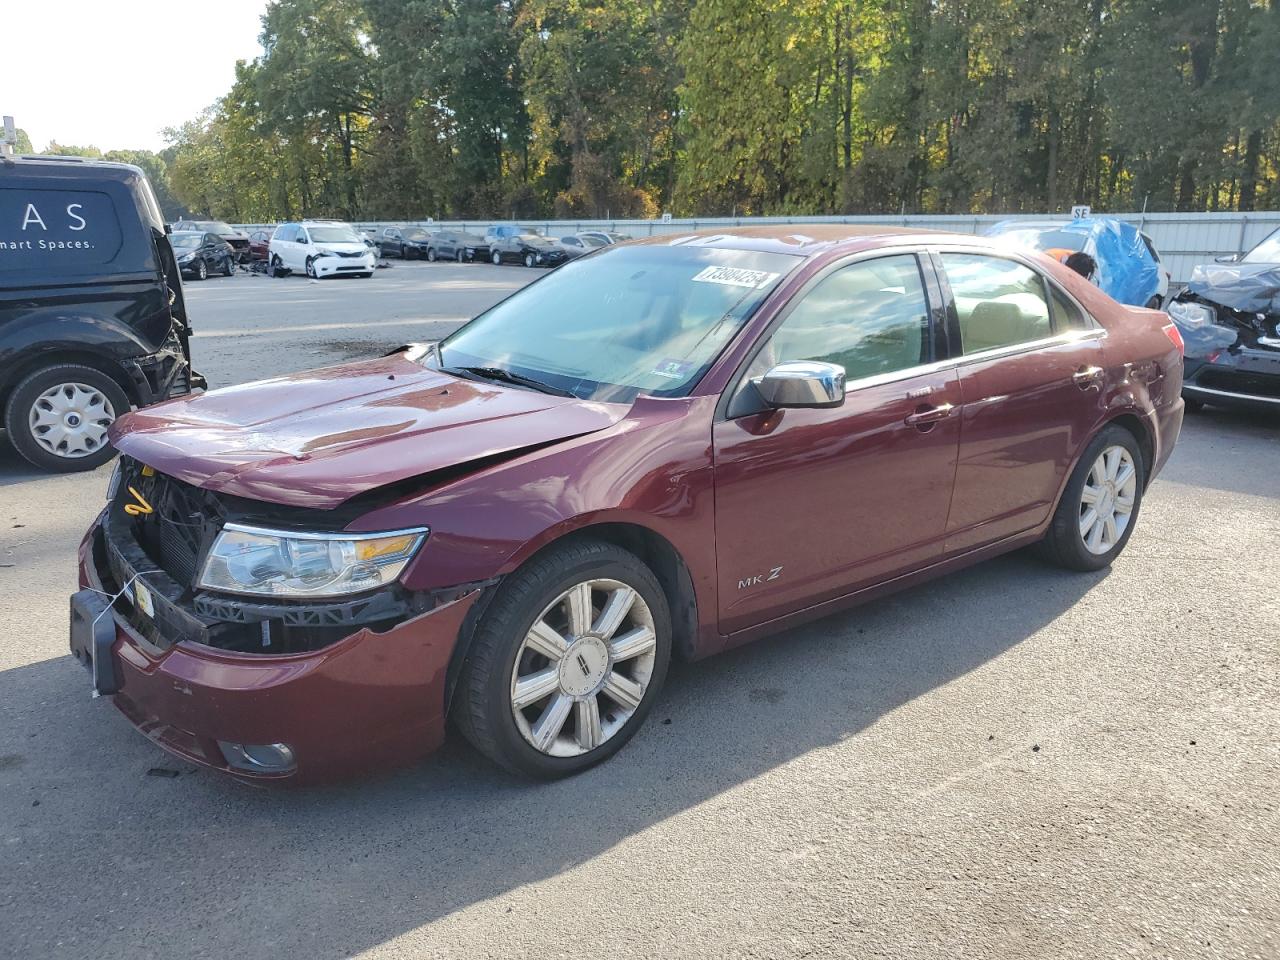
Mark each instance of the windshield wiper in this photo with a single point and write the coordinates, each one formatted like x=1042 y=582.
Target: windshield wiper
x=506 y=376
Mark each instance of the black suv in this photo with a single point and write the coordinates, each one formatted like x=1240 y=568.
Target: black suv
x=92 y=320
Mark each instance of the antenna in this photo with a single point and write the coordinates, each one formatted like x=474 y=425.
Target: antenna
x=10 y=141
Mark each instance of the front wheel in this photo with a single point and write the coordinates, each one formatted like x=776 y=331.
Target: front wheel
x=496 y=257
x=202 y=270
x=277 y=266
x=431 y=254
x=228 y=267
x=566 y=662
x=58 y=417
x=311 y=268
x=460 y=257
x=1153 y=303
x=528 y=260
x=1099 y=506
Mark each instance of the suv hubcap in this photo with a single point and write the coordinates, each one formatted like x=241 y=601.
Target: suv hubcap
x=583 y=668
x=71 y=420
x=1107 y=500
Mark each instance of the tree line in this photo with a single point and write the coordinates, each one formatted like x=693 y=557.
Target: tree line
x=397 y=109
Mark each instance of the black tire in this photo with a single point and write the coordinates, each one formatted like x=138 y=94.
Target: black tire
x=365 y=275
x=1192 y=404
x=1063 y=543
x=277 y=266
x=529 y=261
x=496 y=258
x=202 y=270
x=228 y=267
x=18 y=412
x=311 y=268
x=1154 y=303
x=460 y=256
x=482 y=706
x=431 y=254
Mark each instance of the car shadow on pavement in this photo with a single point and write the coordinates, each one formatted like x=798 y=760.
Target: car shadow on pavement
x=192 y=864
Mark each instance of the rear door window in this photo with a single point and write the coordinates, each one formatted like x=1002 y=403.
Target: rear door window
x=63 y=232
x=999 y=303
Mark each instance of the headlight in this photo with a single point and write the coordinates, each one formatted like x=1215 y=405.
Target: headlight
x=186 y=258
x=1191 y=315
x=282 y=563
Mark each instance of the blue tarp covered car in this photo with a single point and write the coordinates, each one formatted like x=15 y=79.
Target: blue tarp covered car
x=1129 y=268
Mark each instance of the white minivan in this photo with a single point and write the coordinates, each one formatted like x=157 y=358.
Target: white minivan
x=320 y=248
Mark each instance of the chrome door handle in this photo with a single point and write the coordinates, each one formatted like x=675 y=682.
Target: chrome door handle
x=1087 y=377
x=931 y=414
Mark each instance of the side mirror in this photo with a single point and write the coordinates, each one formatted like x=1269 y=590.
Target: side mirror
x=302 y=239
x=803 y=383
x=1227 y=258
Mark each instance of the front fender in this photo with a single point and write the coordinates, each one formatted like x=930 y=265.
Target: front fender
x=651 y=470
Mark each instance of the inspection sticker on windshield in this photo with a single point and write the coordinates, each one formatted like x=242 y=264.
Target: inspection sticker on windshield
x=736 y=277
x=673 y=369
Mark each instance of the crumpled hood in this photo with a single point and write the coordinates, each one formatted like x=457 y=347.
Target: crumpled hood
x=1250 y=287
x=317 y=438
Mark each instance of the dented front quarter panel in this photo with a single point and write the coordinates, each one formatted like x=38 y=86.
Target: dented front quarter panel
x=652 y=470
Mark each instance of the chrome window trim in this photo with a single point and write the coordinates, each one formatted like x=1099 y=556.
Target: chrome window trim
x=996 y=353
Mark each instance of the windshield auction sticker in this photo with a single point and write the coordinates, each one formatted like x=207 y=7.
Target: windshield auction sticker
x=736 y=277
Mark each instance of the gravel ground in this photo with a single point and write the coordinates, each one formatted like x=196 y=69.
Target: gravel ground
x=1011 y=762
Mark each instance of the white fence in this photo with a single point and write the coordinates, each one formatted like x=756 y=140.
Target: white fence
x=1183 y=239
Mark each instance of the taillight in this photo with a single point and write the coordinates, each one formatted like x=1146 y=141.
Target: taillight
x=1175 y=336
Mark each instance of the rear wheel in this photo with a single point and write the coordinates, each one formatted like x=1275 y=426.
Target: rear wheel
x=1099 y=506
x=58 y=417
x=566 y=662
x=431 y=254
x=1192 y=404
x=496 y=257
x=1154 y=303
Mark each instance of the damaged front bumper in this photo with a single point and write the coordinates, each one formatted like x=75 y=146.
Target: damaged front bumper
x=1232 y=357
x=374 y=699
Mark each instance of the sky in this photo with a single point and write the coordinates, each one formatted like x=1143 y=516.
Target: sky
x=114 y=74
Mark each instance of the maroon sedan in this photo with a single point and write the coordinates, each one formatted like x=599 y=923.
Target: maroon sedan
x=667 y=447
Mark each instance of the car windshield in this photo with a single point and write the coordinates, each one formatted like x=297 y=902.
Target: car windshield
x=333 y=235
x=1268 y=251
x=592 y=242
x=631 y=320
x=1043 y=239
x=416 y=233
x=183 y=240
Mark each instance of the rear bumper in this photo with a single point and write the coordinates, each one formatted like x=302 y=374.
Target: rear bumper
x=371 y=701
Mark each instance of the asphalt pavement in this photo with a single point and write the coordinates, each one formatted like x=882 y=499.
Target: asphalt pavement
x=1011 y=762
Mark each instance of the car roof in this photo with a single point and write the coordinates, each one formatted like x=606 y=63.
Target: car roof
x=797 y=239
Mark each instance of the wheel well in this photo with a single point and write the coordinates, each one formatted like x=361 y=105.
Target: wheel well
x=1140 y=433
x=656 y=552
x=30 y=365
x=667 y=565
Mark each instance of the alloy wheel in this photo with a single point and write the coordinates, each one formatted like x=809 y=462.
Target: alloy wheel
x=1107 y=499
x=202 y=270
x=583 y=668
x=311 y=267
x=70 y=420
x=497 y=258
